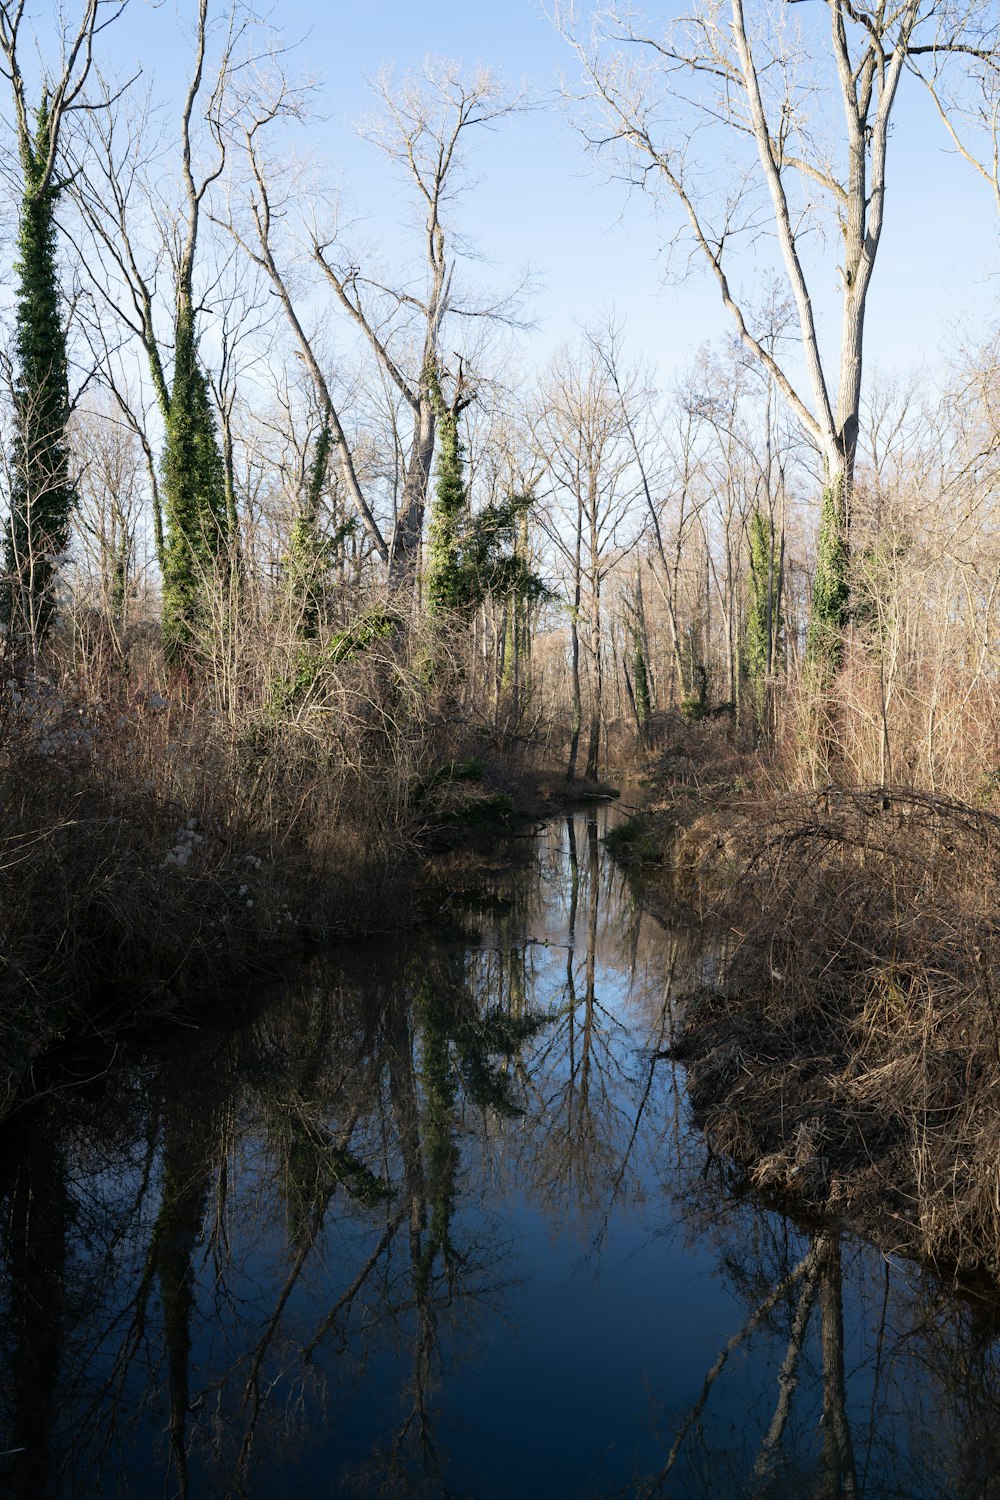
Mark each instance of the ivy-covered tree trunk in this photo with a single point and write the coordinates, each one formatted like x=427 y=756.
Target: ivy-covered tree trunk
x=308 y=557
x=119 y=573
x=764 y=623
x=196 y=532
x=596 y=683
x=831 y=584
x=235 y=557
x=576 y=718
x=641 y=691
x=43 y=494
x=447 y=586
x=596 y=644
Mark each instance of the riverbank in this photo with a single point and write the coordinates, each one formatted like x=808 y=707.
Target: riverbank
x=846 y=1057
x=153 y=848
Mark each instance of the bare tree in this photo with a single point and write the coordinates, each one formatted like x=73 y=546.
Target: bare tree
x=144 y=234
x=584 y=436
x=256 y=226
x=968 y=102
x=113 y=502
x=746 y=455
x=770 y=87
x=64 y=90
x=42 y=493
x=421 y=127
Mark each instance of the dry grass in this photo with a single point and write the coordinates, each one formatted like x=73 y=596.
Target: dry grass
x=851 y=1056
x=158 y=833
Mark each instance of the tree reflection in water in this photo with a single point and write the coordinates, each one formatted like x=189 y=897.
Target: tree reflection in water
x=297 y=1254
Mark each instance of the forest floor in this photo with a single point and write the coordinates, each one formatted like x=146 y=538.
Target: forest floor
x=846 y=1057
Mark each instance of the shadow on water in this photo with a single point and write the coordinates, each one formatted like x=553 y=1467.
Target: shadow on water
x=432 y=1221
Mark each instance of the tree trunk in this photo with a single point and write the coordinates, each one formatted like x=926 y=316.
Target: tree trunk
x=597 y=685
x=408 y=531
x=841 y=1480
x=577 y=719
x=594 y=589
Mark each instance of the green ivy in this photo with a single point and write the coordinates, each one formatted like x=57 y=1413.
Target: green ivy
x=43 y=495
x=196 y=538
x=696 y=708
x=309 y=553
x=472 y=557
x=831 y=588
x=447 y=578
x=311 y=660
x=761 y=633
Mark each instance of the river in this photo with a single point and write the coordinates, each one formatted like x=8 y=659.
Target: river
x=430 y=1218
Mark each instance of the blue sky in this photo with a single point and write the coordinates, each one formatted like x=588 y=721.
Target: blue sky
x=539 y=202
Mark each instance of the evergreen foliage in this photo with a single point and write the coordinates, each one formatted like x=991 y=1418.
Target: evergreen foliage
x=43 y=494
x=312 y=660
x=696 y=707
x=494 y=557
x=379 y=624
x=472 y=558
x=643 y=701
x=447 y=579
x=196 y=535
x=831 y=590
x=764 y=623
x=309 y=553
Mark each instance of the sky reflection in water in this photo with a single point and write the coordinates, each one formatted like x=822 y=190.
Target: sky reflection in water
x=433 y=1222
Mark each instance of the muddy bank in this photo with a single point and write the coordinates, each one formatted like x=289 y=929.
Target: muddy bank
x=847 y=1058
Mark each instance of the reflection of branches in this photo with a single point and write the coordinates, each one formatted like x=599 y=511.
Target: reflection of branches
x=251 y=1393
x=660 y=1031
x=838 y=1449
x=580 y=1076
x=36 y=1255
x=348 y=1297
x=136 y=1309
x=929 y=1363
x=186 y=1170
x=787 y=1381
x=396 y=1078
x=806 y=1267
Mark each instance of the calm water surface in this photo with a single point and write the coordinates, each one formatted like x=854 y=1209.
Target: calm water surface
x=432 y=1221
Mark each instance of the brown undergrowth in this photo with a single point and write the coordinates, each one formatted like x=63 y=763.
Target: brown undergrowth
x=159 y=834
x=848 y=1058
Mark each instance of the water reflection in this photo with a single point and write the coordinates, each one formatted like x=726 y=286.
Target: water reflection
x=432 y=1222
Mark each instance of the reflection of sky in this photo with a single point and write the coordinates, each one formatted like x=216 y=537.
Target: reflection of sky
x=587 y=1305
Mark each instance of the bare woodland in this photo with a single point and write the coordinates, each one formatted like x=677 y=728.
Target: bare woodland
x=294 y=520
x=319 y=562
